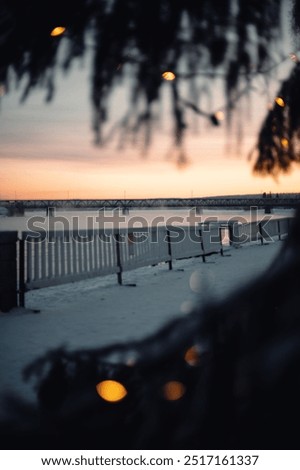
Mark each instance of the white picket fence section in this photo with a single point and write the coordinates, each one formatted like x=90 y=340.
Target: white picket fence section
x=53 y=258
x=58 y=257
x=66 y=257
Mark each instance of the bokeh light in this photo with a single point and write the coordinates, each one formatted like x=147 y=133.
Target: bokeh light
x=192 y=356
x=220 y=115
x=284 y=143
x=111 y=390
x=280 y=101
x=168 y=75
x=187 y=307
x=195 y=282
x=173 y=390
x=58 y=31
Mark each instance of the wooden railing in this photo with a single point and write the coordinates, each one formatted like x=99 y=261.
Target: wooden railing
x=263 y=231
x=54 y=258
x=57 y=257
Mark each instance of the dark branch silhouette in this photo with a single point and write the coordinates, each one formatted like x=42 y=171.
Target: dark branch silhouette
x=278 y=141
x=236 y=40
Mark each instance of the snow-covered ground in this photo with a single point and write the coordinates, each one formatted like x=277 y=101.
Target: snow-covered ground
x=98 y=312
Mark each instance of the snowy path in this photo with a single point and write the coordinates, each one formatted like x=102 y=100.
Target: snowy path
x=98 y=312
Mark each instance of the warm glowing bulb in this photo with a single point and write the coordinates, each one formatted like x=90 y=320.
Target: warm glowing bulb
x=173 y=390
x=192 y=356
x=111 y=390
x=220 y=115
x=58 y=31
x=169 y=75
x=280 y=101
x=284 y=143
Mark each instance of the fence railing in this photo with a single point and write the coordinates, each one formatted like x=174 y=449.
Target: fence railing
x=57 y=257
x=53 y=258
x=262 y=231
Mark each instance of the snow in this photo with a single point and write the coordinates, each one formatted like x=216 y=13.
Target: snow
x=98 y=312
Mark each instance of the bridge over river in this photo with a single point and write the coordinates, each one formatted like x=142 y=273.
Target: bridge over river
x=18 y=207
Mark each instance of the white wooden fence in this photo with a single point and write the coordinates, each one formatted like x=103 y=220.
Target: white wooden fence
x=52 y=258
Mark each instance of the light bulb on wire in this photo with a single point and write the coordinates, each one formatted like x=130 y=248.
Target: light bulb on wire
x=57 y=31
x=168 y=75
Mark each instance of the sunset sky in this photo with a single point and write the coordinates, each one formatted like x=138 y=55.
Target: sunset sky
x=47 y=151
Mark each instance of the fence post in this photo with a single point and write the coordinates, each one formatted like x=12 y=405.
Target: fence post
x=278 y=228
x=169 y=249
x=261 y=233
x=119 y=263
x=22 y=273
x=202 y=245
x=8 y=271
x=221 y=241
x=231 y=233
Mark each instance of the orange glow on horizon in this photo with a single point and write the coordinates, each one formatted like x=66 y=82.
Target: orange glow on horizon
x=31 y=179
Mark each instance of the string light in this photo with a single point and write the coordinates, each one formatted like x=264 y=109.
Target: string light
x=111 y=390
x=254 y=72
x=220 y=115
x=173 y=390
x=192 y=356
x=280 y=101
x=284 y=143
x=168 y=75
x=57 y=31
x=216 y=117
